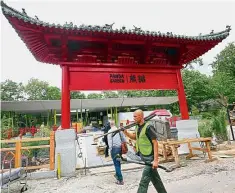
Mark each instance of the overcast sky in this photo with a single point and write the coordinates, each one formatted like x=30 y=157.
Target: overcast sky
x=180 y=17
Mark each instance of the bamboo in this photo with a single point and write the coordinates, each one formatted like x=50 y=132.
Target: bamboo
x=54 y=117
x=77 y=114
x=25 y=140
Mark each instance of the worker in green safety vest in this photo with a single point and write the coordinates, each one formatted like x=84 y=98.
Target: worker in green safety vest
x=147 y=149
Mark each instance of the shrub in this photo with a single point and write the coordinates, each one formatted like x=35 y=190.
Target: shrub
x=204 y=128
x=218 y=125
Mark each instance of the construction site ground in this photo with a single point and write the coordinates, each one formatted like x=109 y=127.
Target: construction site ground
x=196 y=176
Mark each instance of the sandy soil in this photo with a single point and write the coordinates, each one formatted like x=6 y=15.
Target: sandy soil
x=197 y=176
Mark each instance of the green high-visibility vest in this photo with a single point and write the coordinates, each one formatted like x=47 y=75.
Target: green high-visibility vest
x=143 y=145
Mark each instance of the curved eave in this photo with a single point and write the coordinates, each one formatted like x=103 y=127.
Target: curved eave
x=88 y=29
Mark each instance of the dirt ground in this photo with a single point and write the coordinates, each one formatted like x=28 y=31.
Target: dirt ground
x=196 y=176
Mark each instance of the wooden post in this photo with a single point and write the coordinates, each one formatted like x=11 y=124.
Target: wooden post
x=52 y=150
x=208 y=150
x=176 y=155
x=18 y=155
x=164 y=152
x=190 y=155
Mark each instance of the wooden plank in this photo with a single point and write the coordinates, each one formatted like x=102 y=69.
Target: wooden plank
x=208 y=139
x=36 y=147
x=25 y=140
x=7 y=149
x=26 y=147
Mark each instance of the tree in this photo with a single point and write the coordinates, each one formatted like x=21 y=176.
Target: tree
x=197 y=87
x=110 y=94
x=11 y=91
x=36 y=89
x=41 y=90
x=77 y=95
x=225 y=61
x=53 y=93
x=94 y=96
x=223 y=79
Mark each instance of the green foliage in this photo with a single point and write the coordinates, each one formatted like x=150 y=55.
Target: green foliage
x=224 y=73
x=225 y=60
x=94 y=96
x=197 y=87
x=53 y=93
x=36 y=89
x=218 y=125
x=205 y=129
x=110 y=94
x=195 y=111
x=11 y=91
x=5 y=125
x=77 y=95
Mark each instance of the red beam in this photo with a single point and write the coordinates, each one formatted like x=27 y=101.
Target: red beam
x=114 y=65
x=129 y=70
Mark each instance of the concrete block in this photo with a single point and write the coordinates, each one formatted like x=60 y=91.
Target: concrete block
x=65 y=145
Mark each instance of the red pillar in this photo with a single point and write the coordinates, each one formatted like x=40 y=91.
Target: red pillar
x=181 y=96
x=65 y=99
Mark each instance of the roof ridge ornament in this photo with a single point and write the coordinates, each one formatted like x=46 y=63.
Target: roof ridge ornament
x=68 y=25
x=137 y=29
x=24 y=12
x=228 y=28
x=108 y=26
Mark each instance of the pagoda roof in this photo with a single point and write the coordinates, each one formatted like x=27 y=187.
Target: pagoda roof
x=23 y=23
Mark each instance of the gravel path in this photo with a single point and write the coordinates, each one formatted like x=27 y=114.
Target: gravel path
x=197 y=176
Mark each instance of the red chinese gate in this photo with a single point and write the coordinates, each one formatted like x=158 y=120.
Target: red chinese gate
x=103 y=58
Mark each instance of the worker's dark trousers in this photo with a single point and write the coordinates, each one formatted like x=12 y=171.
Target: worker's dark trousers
x=150 y=174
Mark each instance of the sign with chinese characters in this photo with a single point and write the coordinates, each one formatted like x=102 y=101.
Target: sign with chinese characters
x=122 y=81
x=122 y=78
